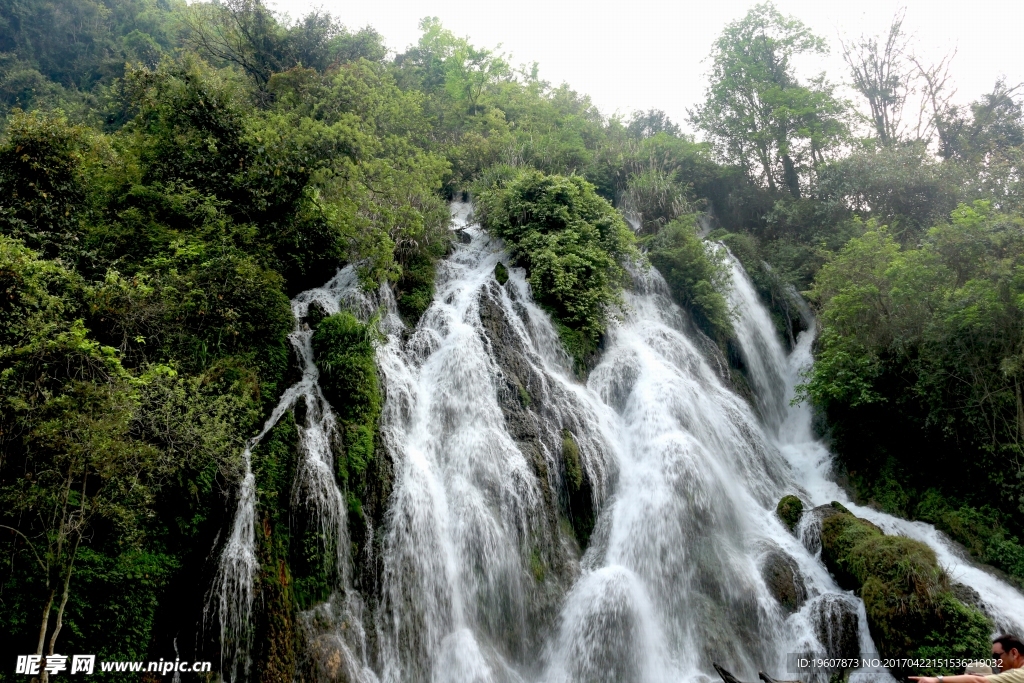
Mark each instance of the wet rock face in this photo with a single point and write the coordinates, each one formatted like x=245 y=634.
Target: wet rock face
x=837 y=625
x=784 y=580
x=967 y=595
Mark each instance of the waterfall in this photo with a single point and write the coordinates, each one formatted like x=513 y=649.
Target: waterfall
x=812 y=464
x=483 y=578
x=314 y=492
x=492 y=568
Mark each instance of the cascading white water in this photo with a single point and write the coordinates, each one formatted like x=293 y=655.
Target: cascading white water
x=314 y=489
x=688 y=478
x=470 y=526
x=812 y=464
x=482 y=575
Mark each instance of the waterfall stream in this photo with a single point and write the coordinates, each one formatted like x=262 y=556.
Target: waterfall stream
x=491 y=572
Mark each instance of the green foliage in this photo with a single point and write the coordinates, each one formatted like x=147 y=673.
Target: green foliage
x=60 y=54
x=572 y=244
x=981 y=530
x=345 y=356
x=910 y=608
x=903 y=187
x=696 y=274
x=789 y=510
x=757 y=112
x=919 y=345
x=41 y=183
x=155 y=218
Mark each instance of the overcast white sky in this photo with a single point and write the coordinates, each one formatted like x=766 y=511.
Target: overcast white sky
x=646 y=53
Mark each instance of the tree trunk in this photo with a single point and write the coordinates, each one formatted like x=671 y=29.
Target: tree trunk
x=791 y=177
x=46 y=623
x=44 y=676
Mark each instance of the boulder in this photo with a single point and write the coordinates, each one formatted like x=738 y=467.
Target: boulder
x=837 y=626
x=784 y=580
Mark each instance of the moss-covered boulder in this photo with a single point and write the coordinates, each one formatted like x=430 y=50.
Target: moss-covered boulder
x=784 y=580
x=911 y=608
x=344 y=352
x=500 y=273
x=789 y=510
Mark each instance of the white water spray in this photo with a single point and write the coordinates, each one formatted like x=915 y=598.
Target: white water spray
x=483 y=579
x=314 y=491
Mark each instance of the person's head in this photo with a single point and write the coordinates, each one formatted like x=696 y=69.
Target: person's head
x=1009 y=651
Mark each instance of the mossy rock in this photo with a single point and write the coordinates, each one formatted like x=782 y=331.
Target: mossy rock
x=500 y=273
x=415 y=288
x=910 y=605
x=789 y=510
x=571 y=459
x=837 y=626
x=580 y=496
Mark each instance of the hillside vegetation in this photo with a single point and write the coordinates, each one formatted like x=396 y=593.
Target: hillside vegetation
x=171 y=174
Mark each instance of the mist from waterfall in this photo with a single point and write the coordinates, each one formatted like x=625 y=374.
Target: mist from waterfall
x=482 y=575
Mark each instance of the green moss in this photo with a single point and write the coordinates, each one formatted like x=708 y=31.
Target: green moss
x=537 y=566
x=571 y=458
x=579 y=494
x=581 y=347
x=415 y=288
x=789 y=510
x=524 y=396
x=344 y=352
x=277 y=534
x=906 y=594
x=500 y=273
x=982 y=530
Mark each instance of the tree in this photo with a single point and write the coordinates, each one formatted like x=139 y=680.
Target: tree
x=466 y=73
x=241 y=32
x=883 y=73
x=72 y=467
x=757 y=112
x=646 y=124
x=994 y=126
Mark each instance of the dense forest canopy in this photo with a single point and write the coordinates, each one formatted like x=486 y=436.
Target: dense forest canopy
x=170 y=174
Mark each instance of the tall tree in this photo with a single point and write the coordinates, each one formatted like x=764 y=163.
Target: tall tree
x=757 y=112
x=884 y=74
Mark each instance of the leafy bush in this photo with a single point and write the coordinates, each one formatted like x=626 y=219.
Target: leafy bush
x=572 y=244
x=696 y=273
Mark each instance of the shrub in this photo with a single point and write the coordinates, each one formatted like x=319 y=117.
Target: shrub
x=572 y=244
x=696 y=273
